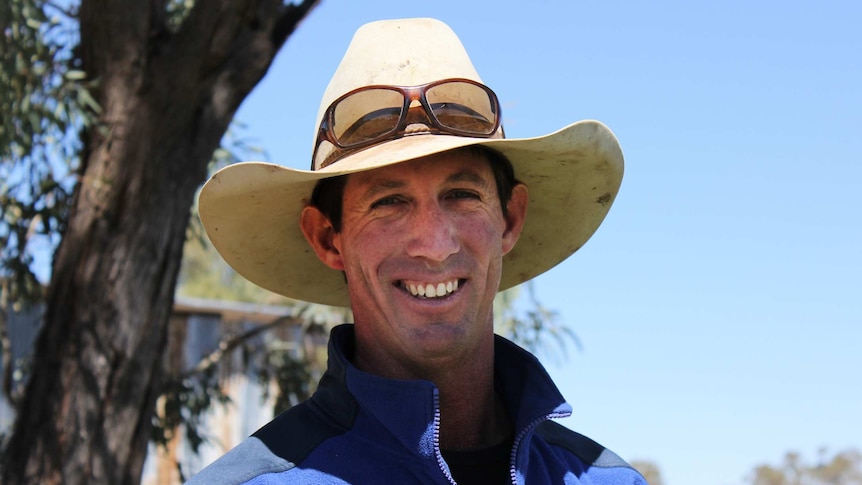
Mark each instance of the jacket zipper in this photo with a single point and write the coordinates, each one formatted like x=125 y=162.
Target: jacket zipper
x=513 y=459
x=440 y=462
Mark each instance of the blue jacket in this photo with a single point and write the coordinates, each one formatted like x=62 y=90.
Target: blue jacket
x=359 y=428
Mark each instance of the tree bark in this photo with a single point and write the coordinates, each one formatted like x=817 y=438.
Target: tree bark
x=166 y=100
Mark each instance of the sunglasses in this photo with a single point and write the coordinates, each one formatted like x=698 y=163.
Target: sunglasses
x=371 y=114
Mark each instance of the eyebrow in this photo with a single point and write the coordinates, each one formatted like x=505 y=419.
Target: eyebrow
x=385 y=185
x=382 y=186
x=468 y=176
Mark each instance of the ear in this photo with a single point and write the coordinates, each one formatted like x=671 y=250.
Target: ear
x=321 y=236
x=516 y=213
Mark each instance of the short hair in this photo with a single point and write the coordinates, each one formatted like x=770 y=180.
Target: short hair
x=328 y=194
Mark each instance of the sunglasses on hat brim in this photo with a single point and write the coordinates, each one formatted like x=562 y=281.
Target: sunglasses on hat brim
x=372 y=114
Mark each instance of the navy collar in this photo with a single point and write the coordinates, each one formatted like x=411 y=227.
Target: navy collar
x=408 y=409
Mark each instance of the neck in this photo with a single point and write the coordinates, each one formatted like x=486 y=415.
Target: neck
x=472 y=416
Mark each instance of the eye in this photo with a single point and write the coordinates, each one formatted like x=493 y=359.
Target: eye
x=462 y=194
x=386 y=201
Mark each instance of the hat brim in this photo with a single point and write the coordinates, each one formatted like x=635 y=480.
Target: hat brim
x=251 y=210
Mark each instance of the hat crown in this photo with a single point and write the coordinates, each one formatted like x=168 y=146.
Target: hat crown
x=405 y=52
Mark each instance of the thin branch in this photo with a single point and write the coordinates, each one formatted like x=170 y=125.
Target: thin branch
x=228 y=345
x=69 y=11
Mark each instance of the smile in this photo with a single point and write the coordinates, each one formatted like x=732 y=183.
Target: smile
x=431 y=290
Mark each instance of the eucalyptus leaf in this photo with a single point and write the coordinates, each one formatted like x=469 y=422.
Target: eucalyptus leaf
x=75 y=75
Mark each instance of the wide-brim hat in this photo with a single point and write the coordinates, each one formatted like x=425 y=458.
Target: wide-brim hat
x=251 y=210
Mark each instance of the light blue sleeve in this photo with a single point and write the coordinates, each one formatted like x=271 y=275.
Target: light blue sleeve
x=247 y=460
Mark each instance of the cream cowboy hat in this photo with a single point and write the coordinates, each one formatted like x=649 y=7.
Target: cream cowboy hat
x=251 y=210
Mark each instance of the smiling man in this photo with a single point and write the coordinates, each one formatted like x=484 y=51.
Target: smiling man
x=415 y=214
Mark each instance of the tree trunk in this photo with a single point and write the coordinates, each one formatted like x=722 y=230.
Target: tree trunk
x=167 y=98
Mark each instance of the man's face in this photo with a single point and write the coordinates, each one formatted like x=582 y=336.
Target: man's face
x=421 y=245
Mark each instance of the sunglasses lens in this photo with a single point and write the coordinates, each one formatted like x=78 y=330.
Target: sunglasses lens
x=366 y=115
x=463 y=107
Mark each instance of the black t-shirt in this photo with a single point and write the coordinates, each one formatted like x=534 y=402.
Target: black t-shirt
x=481 y=467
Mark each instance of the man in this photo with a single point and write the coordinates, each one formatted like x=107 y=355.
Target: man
x=410 y=216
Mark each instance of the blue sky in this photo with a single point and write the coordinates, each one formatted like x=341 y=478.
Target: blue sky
x=720 y=304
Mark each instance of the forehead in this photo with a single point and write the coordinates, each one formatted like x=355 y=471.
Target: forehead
x=462 y=165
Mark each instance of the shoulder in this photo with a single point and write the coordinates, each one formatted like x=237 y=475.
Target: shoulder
x=247 y=460
x=277 y=447
x=589 y=452
x=295 y=433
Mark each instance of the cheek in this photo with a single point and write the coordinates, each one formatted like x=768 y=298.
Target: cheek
x=480 y=232
x=368 y=246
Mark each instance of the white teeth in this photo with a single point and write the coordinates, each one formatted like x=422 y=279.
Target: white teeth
x=431 y=290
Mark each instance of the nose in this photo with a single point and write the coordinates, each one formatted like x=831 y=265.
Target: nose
x=432 y=234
